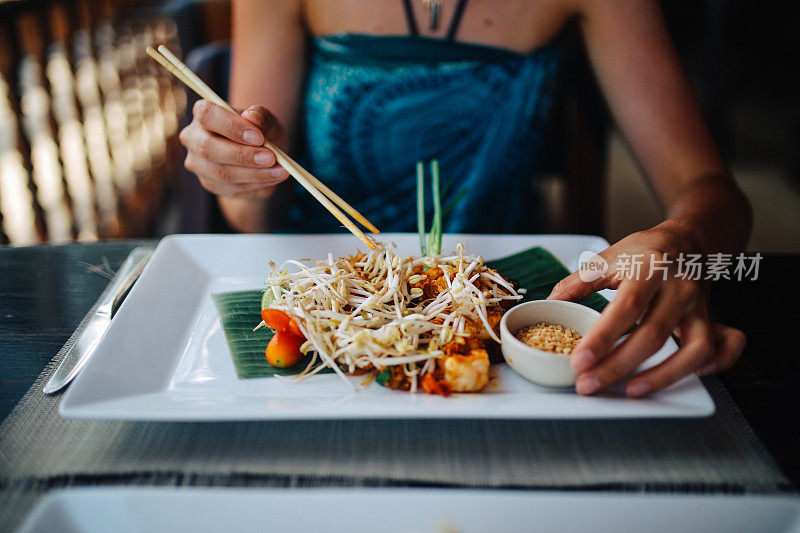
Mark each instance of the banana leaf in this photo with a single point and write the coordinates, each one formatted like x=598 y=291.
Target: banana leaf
x=536 y=270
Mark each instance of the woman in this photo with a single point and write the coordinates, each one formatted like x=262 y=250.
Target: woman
x=391 y=82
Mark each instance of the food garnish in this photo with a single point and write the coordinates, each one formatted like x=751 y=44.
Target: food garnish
x=280 y=321
x=283 y=349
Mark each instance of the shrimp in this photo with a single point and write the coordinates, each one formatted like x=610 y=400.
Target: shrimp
x=466 y=373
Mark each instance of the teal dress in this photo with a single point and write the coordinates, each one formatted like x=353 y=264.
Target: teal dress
x=376 y=105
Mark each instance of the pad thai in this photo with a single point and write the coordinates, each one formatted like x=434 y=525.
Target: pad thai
x=409 y=322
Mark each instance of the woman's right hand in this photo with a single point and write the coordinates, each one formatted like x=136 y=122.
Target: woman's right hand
x=225 y=150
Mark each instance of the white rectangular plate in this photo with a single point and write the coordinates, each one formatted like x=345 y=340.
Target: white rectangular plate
x=360 y=510
x=165 y=357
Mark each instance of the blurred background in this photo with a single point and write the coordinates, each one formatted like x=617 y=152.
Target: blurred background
x=743 y=58
x=88 y=123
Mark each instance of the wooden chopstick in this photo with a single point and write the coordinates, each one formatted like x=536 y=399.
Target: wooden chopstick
x=314 y=186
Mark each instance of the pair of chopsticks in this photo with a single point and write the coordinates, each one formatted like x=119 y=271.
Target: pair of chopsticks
x=317 y=189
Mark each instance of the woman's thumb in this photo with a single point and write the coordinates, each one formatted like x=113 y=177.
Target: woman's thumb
x=257 y=114
x=269 y=125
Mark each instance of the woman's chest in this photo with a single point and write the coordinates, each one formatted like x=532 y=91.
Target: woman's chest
x=519 y=25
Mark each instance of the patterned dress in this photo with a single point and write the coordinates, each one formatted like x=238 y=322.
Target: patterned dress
x=376 y=105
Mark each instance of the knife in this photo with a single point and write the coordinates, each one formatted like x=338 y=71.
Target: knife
x=82 y=344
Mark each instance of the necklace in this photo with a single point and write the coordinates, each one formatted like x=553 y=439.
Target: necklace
x=434 y=8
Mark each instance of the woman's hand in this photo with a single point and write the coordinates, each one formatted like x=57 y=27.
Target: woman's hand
x=665 y=303
x=225 y=150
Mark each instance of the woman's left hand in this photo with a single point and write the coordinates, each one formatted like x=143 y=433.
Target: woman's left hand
x=663 y=301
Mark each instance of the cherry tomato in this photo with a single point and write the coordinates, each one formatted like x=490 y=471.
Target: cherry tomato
x=281 y=321
x=283 y=349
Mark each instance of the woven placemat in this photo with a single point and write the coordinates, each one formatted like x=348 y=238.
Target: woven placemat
x=716 y=453
x=39 y=450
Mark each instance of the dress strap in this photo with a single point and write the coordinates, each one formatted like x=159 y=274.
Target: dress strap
x=453 y=29
x=410 y=20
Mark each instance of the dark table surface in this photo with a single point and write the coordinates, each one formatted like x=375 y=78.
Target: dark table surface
x=46 y=290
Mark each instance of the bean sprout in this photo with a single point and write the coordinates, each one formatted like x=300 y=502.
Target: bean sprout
x=378 y=309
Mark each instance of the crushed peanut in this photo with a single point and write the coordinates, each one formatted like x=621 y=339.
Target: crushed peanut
x=549 y=337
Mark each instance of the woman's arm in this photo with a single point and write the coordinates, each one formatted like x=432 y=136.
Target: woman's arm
x=224 y=150
x=651 y=100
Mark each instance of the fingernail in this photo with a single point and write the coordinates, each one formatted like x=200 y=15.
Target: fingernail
x=263 y=159
x=582 y=360
x=708 y=369
x=252 y=137
x=637 y=388
x=587 y=386
x=254 y=117
x=279 y=173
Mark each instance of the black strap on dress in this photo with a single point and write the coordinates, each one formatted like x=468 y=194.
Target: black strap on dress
x=412 y=23
x=451 y=31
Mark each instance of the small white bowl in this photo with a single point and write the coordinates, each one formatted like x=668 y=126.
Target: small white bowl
x=543 y=368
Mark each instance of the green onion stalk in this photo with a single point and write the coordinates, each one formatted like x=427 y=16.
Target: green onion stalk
x=436 y=226
x=434 y=240
x=421 y=205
